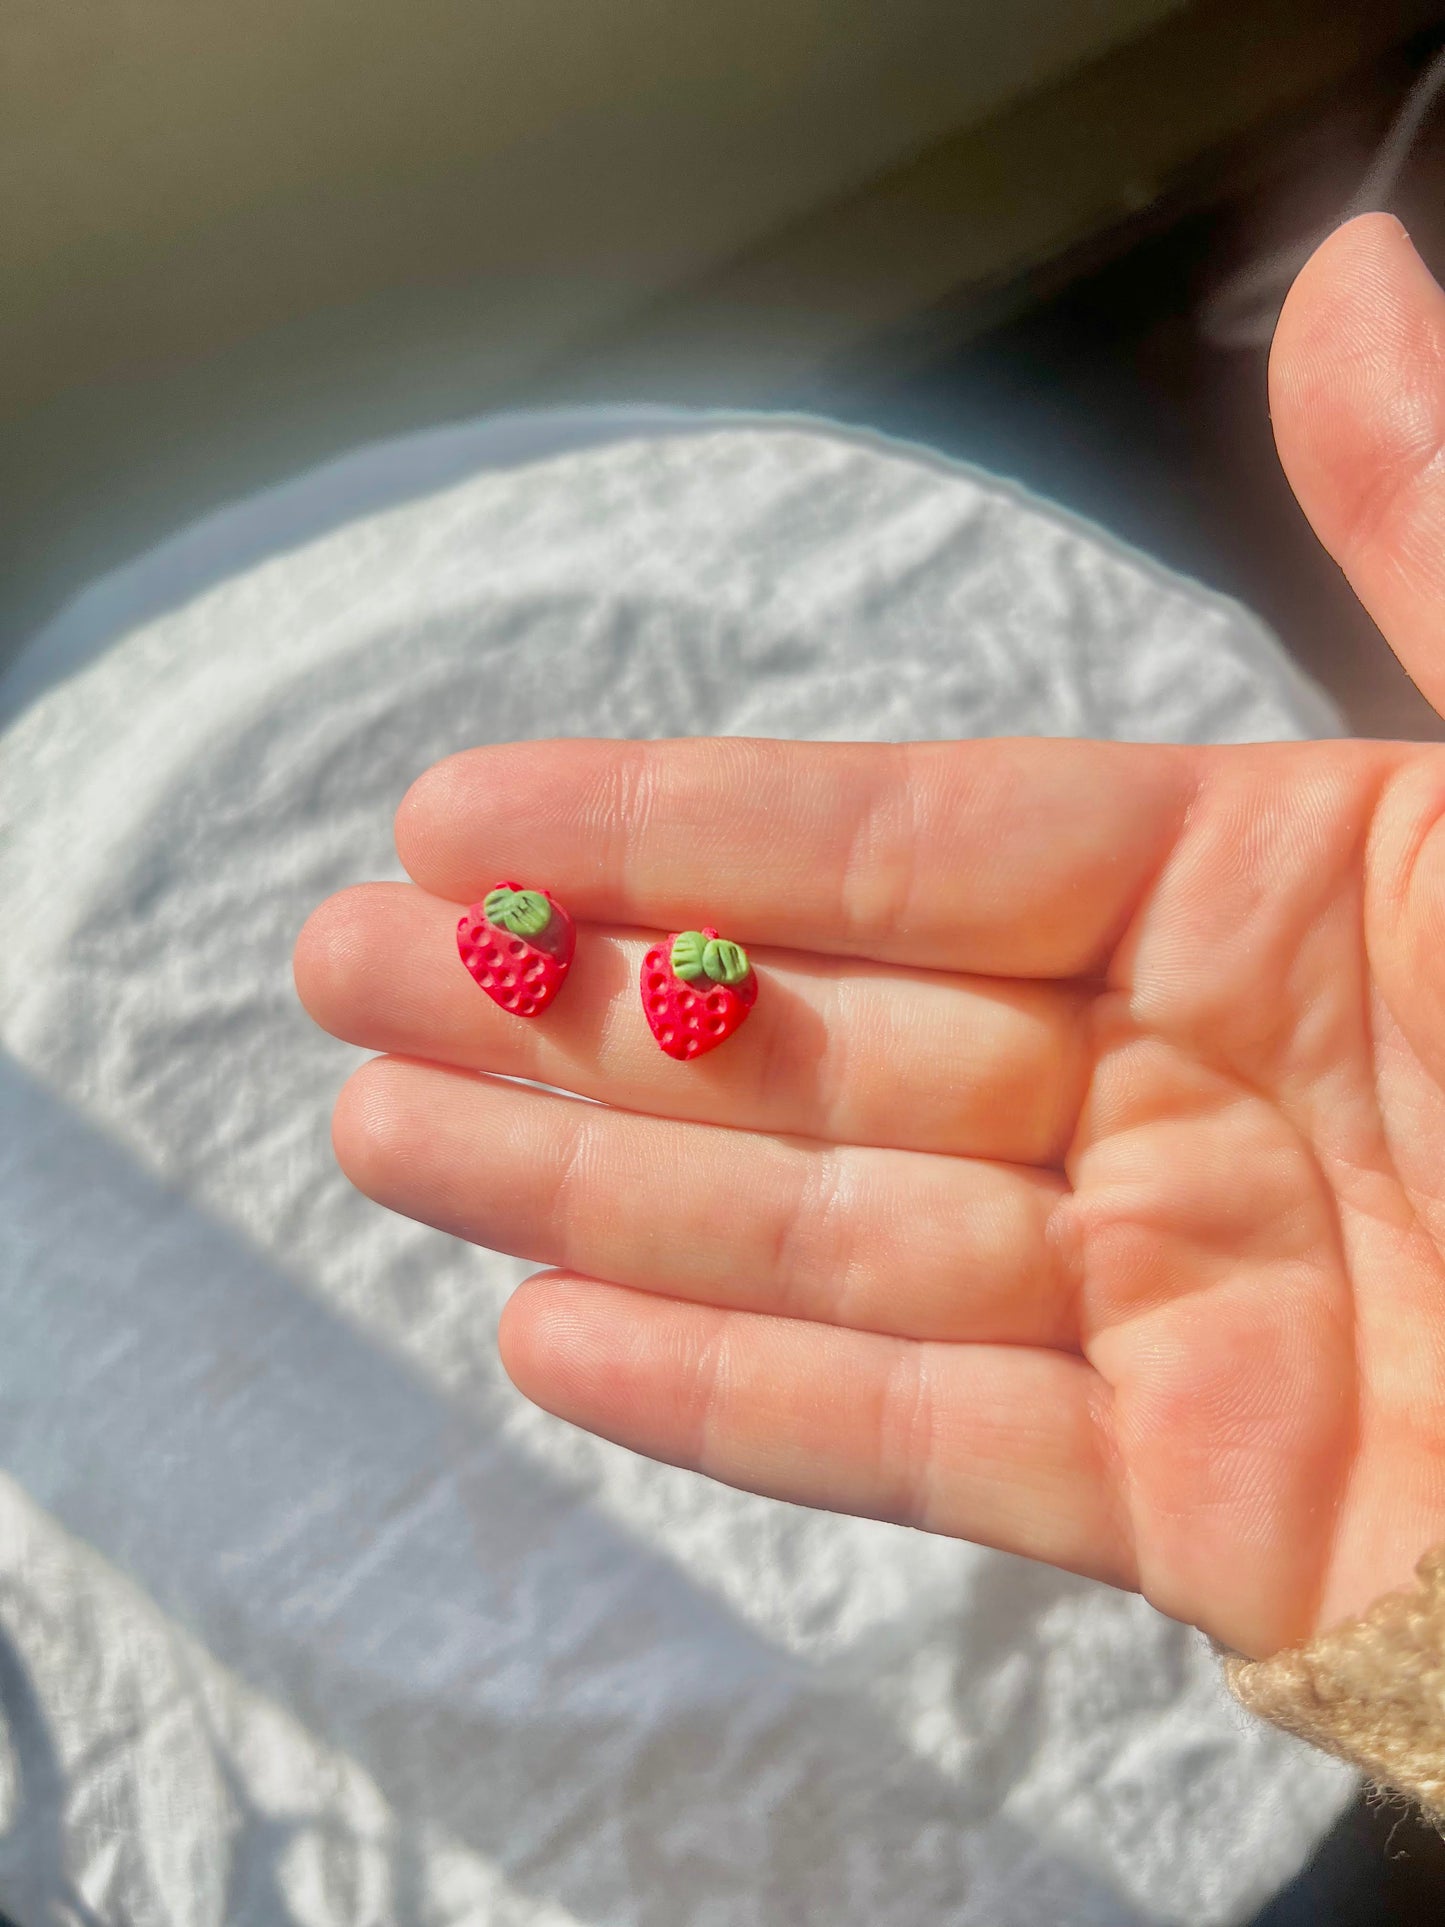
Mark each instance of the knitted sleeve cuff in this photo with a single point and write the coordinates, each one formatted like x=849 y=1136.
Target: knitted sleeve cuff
x=1371 y=1692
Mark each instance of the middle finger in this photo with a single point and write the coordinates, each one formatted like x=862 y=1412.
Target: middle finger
x=851 y=1052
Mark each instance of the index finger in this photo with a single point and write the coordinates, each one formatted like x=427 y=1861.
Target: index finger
x=1007 y=857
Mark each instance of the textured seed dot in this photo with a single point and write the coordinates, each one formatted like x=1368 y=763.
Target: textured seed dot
x=687 y=1000
x=692 y=1047
x=716 y=1001
x=717 y=1026
x=657 y=981
x=669 y=1035
x=516 y=947
x=659 y=1004
x=693 y=1021
x=492 y=954
x=534 y=973
x=529 y=1007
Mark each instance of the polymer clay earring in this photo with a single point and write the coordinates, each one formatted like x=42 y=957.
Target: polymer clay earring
x=697 y=988
x=518 y=945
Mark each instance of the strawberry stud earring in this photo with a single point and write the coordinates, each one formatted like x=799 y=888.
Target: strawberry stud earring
x=518 y=945
x=696 y=990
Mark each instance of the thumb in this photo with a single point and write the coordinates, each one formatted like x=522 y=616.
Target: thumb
x=1357 y=394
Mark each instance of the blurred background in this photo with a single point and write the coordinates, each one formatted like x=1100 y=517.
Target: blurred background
x=243 y=238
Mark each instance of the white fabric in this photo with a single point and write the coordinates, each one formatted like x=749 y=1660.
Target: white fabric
x=304 y=1615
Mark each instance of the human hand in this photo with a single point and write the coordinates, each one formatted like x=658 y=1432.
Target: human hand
x=1078 y=1183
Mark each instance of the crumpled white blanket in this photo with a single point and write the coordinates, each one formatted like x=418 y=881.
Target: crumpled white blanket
x=304 y=1615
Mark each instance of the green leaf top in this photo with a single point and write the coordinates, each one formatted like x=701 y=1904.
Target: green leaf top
x=688 y=949
x=695 y=955
x=526 y=913
x=725 y=962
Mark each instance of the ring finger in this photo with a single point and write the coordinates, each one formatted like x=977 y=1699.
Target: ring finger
x=918 y=1245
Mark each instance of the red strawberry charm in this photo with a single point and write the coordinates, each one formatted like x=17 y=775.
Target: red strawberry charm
x=518 y=945
x=696 y=990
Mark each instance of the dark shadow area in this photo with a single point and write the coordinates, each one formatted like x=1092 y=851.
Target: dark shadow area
x=1381 y=1866
x=1110 y=397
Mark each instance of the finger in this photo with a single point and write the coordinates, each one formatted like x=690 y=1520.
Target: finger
x=999 y=1444
x=1357 y=392
x=893 y=1241
x=857 y=1054
x=1020 y=859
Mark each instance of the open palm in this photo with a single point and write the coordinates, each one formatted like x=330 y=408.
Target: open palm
x=1078 y=1184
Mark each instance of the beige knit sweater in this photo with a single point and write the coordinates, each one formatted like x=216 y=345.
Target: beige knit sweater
x=1372 y=1692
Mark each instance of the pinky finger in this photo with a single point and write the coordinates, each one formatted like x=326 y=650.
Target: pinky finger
x=1001 y=1444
